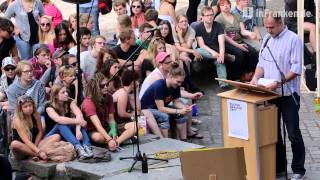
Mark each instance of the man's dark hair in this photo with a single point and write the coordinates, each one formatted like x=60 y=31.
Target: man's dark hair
x=84 y=31
x=128 y=77
x=6 y=25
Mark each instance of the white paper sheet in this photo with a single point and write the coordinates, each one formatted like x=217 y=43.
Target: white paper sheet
x=238 y=119
x=265 y=82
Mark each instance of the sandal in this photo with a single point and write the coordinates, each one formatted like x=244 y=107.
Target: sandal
x=196 y=121
x=194 y=129
x=195 y=136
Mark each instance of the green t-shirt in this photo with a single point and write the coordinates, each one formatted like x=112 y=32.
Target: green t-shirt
x=232 y=29
x=144 y=46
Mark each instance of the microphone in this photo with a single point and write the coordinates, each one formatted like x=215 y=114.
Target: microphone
x=154 y=29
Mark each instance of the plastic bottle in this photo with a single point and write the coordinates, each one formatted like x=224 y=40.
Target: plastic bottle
x=144 y=163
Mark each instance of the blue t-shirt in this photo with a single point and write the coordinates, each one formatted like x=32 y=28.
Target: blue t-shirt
x=158 y=91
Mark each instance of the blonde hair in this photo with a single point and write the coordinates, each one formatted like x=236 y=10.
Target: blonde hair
x=66 y=71
x=20 y=116
x=20 y=65
x=47 y=38
x=152 y=49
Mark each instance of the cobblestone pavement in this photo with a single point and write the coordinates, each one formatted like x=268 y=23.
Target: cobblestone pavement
x=209 y=106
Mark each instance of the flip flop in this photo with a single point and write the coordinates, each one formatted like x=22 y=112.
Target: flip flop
x=195 y=136
x=194 y=129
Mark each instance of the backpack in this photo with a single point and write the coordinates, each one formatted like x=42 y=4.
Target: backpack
x=105 y=6
x=60 y=151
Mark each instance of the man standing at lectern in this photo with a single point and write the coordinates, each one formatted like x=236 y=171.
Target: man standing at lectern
x=286 y=48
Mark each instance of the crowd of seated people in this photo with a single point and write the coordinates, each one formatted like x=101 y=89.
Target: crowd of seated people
x=40 y=71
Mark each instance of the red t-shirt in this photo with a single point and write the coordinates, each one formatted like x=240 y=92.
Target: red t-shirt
x=89 y=109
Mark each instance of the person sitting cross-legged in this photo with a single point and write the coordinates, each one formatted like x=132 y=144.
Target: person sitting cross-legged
x=98 y=109
x=27 y=131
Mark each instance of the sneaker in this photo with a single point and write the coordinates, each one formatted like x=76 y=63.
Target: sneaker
x=297 y=177
x=82 y=154
x=88 y=150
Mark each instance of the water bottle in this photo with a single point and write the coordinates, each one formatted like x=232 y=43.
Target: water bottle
x=195 y=110
x=142 y=125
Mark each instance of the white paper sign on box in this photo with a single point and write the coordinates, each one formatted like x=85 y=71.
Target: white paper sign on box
x=238 y=119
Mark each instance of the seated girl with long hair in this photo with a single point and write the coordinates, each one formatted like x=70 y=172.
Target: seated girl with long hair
x=27 y=131
x=60 y=112
x=99 y=111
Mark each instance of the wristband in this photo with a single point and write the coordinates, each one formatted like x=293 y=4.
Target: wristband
x=113 y=129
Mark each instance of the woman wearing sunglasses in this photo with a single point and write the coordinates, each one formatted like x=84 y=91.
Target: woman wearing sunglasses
x=7 y=77
x=137 y=13
x=46 y=32
x=99 y=110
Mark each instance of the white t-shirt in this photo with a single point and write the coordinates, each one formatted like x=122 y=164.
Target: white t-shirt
x=150 y=79
x=87 y=64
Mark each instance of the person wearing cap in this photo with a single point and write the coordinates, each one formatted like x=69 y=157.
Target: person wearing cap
x=163 y=64
x=49 y=76
x=41 y=60
x=9 y=75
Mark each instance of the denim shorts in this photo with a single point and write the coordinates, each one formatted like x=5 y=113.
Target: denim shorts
x=163 y=118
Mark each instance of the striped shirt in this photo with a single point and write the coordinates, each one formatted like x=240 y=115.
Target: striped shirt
x=287 y=49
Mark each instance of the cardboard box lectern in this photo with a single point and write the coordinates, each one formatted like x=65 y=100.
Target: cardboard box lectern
x=213 y=164
x=260 y=145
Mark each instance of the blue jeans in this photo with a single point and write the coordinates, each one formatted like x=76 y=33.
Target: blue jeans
x=221 y=68
x=289 y=111
x=95 y=15
x=68 y=134
x=24 y=48
x=161 y=118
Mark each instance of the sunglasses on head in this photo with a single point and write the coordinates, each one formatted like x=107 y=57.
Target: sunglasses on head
x=23 y=99
x=9 y=68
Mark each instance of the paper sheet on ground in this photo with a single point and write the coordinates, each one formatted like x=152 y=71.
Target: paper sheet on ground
x=238 y=119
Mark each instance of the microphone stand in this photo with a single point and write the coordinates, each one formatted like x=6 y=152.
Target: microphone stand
x=138 y=156
x=79 y=77
x=283 y=82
